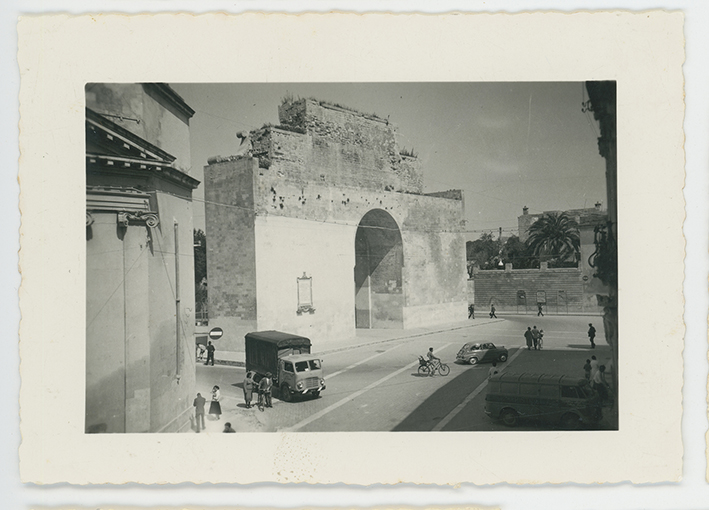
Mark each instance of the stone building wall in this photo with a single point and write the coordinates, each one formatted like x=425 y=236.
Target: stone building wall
x=140 y=374
x=313 y=179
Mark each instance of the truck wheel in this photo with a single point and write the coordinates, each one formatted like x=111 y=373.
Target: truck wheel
x=285 y=393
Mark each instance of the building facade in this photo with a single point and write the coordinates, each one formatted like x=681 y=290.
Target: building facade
x=140 y=374
x=321 y=226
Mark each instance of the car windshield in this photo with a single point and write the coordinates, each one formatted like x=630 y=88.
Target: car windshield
x=304 y=366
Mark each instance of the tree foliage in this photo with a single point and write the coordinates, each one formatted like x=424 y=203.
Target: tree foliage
x=483 y=252
x=555 y=237
x=519 y=254
x=200 y=267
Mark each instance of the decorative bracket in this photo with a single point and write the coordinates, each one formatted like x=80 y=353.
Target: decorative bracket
x=151 y=219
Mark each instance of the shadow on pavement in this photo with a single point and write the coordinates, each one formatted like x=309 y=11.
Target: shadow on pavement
x=548 y=361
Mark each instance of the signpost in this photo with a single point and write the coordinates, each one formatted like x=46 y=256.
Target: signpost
x=215 y=333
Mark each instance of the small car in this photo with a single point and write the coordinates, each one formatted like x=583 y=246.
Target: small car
x=481 y=352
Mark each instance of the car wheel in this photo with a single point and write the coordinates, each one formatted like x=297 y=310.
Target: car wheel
x=503 y=357
x=285 y=393
x=570 y=421
x=473 y=360
x=509 y=417
x=423 y=370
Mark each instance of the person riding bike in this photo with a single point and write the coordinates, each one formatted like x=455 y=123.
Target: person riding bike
x=433 y=361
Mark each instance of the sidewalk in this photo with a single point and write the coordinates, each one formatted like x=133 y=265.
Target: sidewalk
x=362 y=338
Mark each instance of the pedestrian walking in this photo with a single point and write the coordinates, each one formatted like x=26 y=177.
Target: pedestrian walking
x=248 y=389
x=594 y=367
x=528 y=336
x=592 y=335
x=492 y=311
x=535 y=337
x=493 y=370
x=215 y=407
x=264 y=391
x=540 y=341
x=198 y=404
x=587 y=370
x=539 y=310
x=471 y=311
x=227 y=428
x=210 y=353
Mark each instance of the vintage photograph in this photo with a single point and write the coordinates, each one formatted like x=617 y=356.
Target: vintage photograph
x=351 y=257
x=316 y=259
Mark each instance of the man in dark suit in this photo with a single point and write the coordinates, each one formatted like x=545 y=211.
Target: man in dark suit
x=210 y=353
x=199 y=411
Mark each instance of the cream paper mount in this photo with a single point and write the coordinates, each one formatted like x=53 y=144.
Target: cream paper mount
x=59 y=55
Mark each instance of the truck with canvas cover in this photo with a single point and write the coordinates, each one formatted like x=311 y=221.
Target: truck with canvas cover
x=287 y=357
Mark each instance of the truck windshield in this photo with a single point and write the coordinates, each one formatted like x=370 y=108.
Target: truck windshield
x=304 y=366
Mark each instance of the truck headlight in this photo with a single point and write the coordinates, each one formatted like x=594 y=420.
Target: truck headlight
x=299 y=385
x=322 y=382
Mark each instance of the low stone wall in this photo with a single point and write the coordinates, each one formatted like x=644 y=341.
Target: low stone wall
x=562 y=291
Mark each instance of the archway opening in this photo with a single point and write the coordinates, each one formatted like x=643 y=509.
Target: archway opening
x=379 y=259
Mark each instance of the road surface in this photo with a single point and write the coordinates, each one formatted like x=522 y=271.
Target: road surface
x=377 y=387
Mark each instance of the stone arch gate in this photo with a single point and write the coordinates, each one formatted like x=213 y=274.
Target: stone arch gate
x=379 y=262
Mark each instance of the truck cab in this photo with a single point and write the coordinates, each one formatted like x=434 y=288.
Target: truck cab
x=295 y=370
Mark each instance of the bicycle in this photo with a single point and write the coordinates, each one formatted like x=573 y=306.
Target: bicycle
x=427 y=368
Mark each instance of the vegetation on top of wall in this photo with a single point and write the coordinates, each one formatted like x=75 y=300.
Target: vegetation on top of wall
x=284 y=127
x=290 y=98
x=408 y=152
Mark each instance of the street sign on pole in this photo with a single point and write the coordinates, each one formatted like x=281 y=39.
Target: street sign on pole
x=215 y=333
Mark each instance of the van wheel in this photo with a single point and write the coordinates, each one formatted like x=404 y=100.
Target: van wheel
x=503 y=357
x=285 y=393
x=509 y=417
x=473 y=360
x=570 y=421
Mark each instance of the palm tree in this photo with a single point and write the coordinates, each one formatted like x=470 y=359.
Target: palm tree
x=554 y=235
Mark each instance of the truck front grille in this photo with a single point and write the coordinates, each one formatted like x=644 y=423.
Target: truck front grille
x=311 y=382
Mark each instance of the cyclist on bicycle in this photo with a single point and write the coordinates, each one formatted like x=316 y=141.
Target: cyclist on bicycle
x=433 y=361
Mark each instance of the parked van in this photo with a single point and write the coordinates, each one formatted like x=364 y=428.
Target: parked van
x=567 y=402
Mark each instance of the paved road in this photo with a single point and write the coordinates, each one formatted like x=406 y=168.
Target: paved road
x=377 y=387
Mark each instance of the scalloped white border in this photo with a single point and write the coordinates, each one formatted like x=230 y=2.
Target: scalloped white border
x=643 y=51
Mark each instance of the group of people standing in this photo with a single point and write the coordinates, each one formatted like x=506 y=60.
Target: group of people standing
x=534 y=338
x=215 y=408
x=596 y=375
x=264 y=388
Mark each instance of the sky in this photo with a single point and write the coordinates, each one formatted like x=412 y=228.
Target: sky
x=507 y=145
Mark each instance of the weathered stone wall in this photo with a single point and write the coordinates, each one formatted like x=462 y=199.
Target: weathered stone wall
x=341 y=146
x=501 y=287
x=231 y=251
x=286 y=248
x=312 y=181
